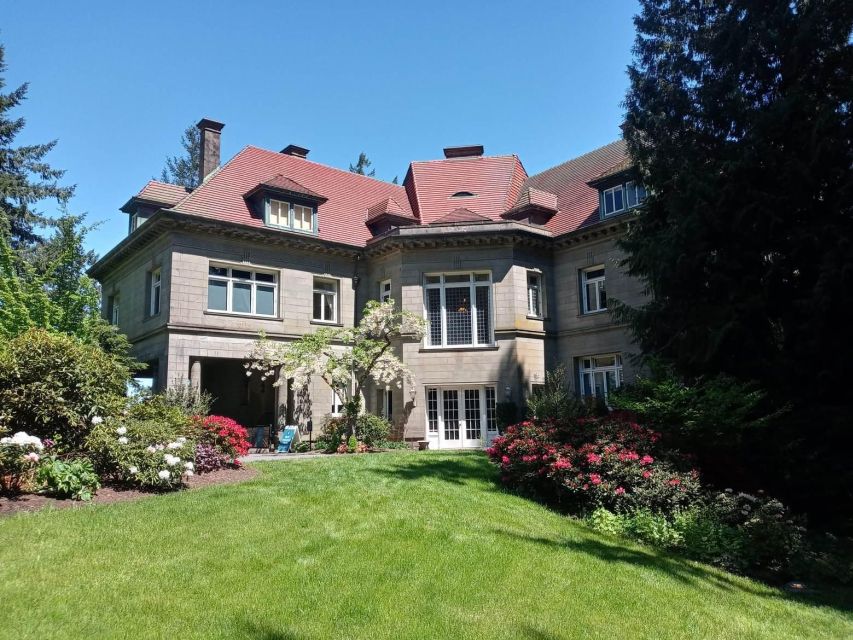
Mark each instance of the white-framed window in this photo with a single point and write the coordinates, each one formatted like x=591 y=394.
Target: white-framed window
x=458 y=309
x=614 y=200
x=535 y=305
x=635 y=193
x=242 y=291
x=385 y=402
x=385 y=291
x=154 y=293
x=337 y=404
x=599 y=375
x=325 y=300
x=288 y=215
x=593 y=290
x=432 y=410
x=113 y=304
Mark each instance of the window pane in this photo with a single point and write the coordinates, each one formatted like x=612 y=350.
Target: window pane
x=605 y=361
x=218 y=271
x=599 y=384
x=318 y=306
x=484 y=317
x=608 y=202
x=617 y=199
x=586 y=383
x=324 y=285
x=432 y=410
x=458 y=315
x=451 y=414
x=328 y=307
x=155 y=299
x=602 y=296
x=458 y=278
x=611 y=380
x=245 y=275
x=155 y=276
x=596 y=273
x=481 y=277
x=265 y=301
x=434 y=316
x=473 y=428
x=217 y=295
x=433 y=279
x=491 y=417
x=264 y=277
x=591 y=297
x=241 y=297
x=631 y=194
x=641 y=193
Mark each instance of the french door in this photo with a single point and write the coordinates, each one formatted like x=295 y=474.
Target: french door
x=462 y=417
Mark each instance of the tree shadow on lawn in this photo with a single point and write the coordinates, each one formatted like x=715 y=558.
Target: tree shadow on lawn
x=458 y=468
x=264 y=632
x=686 y=572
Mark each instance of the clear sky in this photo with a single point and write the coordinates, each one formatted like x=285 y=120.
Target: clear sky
x=117 y=83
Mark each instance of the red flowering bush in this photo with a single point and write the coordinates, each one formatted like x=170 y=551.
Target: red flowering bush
x=587 y=463
x=226 y=435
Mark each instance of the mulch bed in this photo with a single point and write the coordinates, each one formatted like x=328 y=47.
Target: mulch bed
x=111 y=494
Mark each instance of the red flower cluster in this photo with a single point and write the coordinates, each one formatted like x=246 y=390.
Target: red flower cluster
x=227 y=435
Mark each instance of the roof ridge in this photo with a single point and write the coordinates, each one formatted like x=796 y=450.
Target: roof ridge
x=465 y=158
x=327 y=166
x=576 y=158
x=507 y=205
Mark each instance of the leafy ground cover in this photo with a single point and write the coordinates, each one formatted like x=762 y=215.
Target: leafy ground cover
x=398 y=545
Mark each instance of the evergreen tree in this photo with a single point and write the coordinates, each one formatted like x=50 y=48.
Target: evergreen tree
x=25 y=177
x=739 y=120
x=362 y=165
x=183 y=170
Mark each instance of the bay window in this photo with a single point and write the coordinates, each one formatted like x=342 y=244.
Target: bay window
x=458 y=309
x=241 y=291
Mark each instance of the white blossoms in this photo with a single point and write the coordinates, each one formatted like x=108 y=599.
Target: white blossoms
x=165 y=474
x=189 y=466
x=175 y=445
x=122 y=440
x=151 y=449
x=133 y=469
x=171 y=460
x=97 y=420
x=121 y=431
x=22 y=439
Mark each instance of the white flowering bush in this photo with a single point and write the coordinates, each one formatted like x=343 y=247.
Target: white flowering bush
x=19 y=456
x=346 y=359
x=143 y=453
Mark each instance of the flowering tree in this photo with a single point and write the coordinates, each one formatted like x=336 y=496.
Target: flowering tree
x=345 y=359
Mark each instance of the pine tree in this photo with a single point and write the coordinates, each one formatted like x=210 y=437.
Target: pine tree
x=25 y=177
x=739 y=119
x=362 y=165
x=183 y=170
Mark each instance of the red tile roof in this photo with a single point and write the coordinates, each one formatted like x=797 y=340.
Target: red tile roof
x=391 y=207
x=157 y=192
x=495 y=182
x=341 y=217
x=577 y=202
x=283 y=183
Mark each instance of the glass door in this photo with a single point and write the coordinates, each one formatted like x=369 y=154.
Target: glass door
x=450 y=432
x=472 y=428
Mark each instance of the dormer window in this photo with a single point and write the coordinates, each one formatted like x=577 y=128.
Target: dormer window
x=289 y=215
x=463 y=194
x=622 y=197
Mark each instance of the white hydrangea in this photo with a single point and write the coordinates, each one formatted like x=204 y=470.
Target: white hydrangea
x=165 y=474
x=96 y=420
x=121 y=431
x=175 y=445
x=133 y=469
x=151 y=449
x=22 y=439
x=122 y=440
x=189 y=465
x=171 y=460
x=181 y=439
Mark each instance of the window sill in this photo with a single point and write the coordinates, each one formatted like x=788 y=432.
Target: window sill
x=324 y=323
x=585 y=314
x=279 y=227
x=464 y=347
x=541 y=318
x=247 y=316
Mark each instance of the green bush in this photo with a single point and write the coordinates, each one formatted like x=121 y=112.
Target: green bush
x=75 y=479
x=333 y=434
x=55 y=385
x=372 y=429
x=605 y=521
x=352 y=444
x=143 y=453
x=555 y=400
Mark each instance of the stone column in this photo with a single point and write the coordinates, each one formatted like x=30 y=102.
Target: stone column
x=195 y=376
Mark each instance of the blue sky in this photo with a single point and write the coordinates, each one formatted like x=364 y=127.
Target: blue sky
x=117 y=83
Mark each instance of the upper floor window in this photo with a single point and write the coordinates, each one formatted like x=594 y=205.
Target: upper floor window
x=593 y=290
x=635 y=193
x=534 y=294
x=154 y=293
x=599 y=375
x=291 y=216
x=385 y=291
x=325 y=300
x=622 y=197
x=243 y=291
x=614 y=200
x=113 y=309
x=458 y=309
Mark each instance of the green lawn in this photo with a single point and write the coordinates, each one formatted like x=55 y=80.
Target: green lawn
x=405 y=545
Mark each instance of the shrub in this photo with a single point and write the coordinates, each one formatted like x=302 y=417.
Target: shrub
x=302 y=447
x=372 y=429
x=352 y=444
x=19 y=455
x=333 y=433
x=208 y=458
x=555 y=400
x=144 y=453
x=587 y=463
x=228 y=436
x=506 y=414
x=75 y=479
x=55 y=384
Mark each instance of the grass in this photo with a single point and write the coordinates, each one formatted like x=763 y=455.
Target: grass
x=401 y=545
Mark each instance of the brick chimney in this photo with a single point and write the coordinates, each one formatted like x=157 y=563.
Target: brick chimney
x=211 y=131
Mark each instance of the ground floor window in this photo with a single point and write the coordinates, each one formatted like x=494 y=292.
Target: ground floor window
x=461 y=416
x=384 y=403
x=599 y=375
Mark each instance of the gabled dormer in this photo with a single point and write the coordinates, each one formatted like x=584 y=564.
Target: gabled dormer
x=154 y=196
x=388 y=214
x=534 y=206
x=619 y=189
x=285 y=204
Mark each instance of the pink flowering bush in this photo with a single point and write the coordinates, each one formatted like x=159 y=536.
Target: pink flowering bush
x=586 y=463
x=228 y=436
